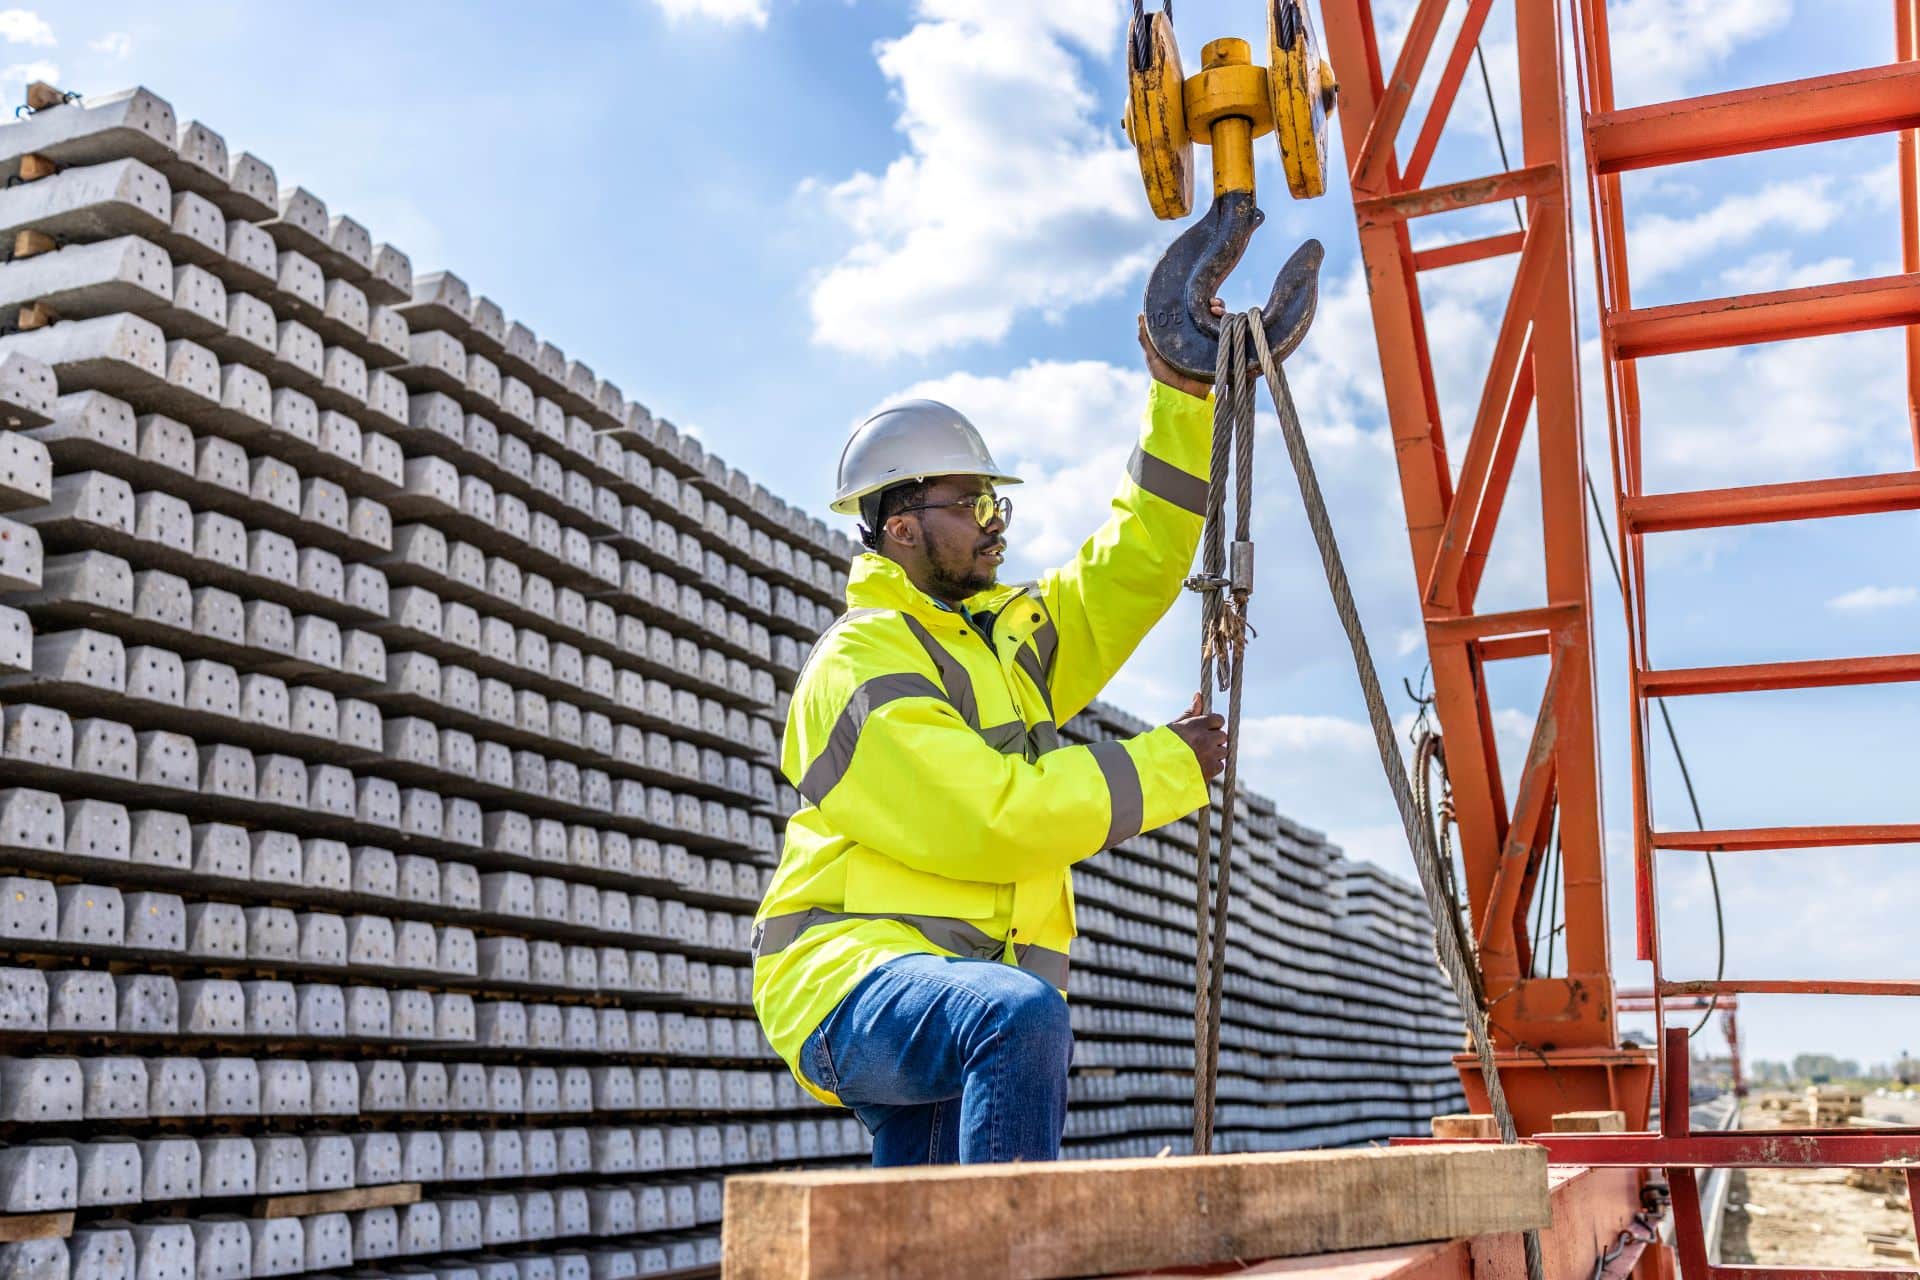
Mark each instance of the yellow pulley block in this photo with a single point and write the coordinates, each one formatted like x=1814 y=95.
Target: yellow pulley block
x=1226 y=106
x=1156 y=119
x=1302 y=90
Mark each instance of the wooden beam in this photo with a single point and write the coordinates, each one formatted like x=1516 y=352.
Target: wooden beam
x=1590 y=1122
x=1467 y=1124
x=1096 y=1217
x=35 y=1226
x=378 y=1197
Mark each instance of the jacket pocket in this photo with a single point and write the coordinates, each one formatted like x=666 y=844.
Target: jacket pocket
x=877 y=885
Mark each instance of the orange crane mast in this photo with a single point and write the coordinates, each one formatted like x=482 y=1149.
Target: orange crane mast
x=1558 y=1043
x=1557 y=1037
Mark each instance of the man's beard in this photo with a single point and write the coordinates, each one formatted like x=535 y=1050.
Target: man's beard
x=952 y=586
x=959 y=583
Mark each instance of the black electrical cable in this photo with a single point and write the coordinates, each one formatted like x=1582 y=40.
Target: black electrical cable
x=1680 y=757
x=1499 y=138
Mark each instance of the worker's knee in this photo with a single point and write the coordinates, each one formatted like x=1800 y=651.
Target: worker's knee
x=1028 y=1013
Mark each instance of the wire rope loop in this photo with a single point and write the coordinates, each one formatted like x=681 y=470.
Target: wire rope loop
x=1223 y=636
x=1458 y=964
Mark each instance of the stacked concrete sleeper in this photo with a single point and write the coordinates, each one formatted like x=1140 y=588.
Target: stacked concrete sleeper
x=387 y=739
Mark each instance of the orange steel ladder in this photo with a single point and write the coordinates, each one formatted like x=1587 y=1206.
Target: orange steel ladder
x=1558 y=1037
x=1555 y=1036
x=1884 y=99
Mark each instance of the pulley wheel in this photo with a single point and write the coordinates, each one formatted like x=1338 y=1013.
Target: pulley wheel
x=1302 y=90
x=1157 y=121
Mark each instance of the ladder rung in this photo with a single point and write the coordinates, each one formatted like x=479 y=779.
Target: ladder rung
x=1795 y=987
x=1450 y=255
x=1870 y=100
x=1766 y=317
x=1718 y=1272
x=1752 y=839
x=1494 y=626
x=1816 y=673
x=1766 y=503
x=1516 y=184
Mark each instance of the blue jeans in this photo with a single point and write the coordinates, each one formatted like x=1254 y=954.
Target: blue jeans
x=949 y=1061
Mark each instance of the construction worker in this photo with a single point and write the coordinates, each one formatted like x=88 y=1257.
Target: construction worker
x=910 y=958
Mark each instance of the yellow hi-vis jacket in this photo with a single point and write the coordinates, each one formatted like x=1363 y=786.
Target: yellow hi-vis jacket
x=940 y=812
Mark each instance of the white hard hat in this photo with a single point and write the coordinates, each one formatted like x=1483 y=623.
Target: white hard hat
x=911 y=440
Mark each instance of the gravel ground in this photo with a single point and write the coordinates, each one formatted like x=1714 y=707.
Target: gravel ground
x=1810 y=1216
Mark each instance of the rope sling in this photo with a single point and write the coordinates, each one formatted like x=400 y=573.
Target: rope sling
x=1226 y=585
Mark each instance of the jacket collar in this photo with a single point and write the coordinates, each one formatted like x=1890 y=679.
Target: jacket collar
x=875 y=582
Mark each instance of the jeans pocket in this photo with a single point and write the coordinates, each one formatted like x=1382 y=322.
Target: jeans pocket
x=816 y=1063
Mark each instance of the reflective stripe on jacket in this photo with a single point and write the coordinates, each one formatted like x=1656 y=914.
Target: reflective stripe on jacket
x=939 y=811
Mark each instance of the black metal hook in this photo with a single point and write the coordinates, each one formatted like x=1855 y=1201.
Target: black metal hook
x=1180 y=292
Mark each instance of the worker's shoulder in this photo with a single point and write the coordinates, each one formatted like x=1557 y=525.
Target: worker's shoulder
x=855 y=638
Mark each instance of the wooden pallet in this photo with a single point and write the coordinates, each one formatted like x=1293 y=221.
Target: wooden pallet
x=300 y=1206
x=35 y=1226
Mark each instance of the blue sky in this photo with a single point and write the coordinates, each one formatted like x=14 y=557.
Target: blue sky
x=762 y=217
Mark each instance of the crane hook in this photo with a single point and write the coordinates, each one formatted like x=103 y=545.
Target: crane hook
x=1231 y=102
x=1180 y=323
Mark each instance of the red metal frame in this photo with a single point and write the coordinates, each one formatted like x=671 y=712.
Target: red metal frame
x=1726 y=1003
x=1797 y=113
x=1554 y=1036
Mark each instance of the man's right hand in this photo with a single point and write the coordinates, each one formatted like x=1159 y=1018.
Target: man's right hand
x=1206 y=734
x=1164 y=372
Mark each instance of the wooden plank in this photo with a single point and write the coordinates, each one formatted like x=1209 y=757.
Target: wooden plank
x=35 y=1226
x=1466 y=1125
x=301 y=1206
x=1093 y=1217
x=1426 y=1261
x=1590 y=1122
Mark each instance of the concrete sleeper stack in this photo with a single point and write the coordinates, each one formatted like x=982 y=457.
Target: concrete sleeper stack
x=387 y=706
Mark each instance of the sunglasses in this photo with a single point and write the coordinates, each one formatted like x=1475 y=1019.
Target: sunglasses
x=985 y=507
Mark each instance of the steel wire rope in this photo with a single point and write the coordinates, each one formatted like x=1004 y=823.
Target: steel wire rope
x=1225 y=584
x=1137 y=45
x=1459 y=968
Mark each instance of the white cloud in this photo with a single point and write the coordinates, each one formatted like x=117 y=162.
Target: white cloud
x=24 y=26
x=753 y=12
x=1013 y=196
x=1775 y=269
x=1516 y=726
x=25 y=73
x=1784 y=411
x=1660 y=243
x=1864 y=599
x=1273 y=734
x=1660 y=46
x=115 y=44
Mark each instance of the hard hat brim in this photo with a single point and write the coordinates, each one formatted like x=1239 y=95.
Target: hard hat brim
x=849 y=504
